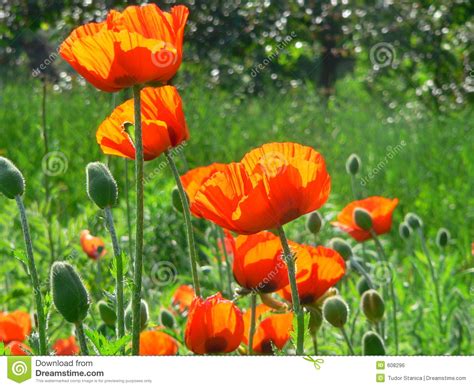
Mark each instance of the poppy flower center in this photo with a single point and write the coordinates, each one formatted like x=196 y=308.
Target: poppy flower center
x=215 y=345
x=267 y=347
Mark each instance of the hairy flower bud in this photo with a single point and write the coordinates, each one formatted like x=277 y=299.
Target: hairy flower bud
x=70 y=296
x=336 y=311
x=362 y=218
x=362 y=285
x=404 y=230
x=442 y=238
x=372 y=344
x=353 y=164
x=167 y=319
x=373 y=306
x=314 y=222
x=101 y=186
x=107 y=313
x=12 y=182
x=143 y=316
x=413 y=221
x=341 y=247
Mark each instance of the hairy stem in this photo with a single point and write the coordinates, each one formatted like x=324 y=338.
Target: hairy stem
x=82 y=339
x=253 y=306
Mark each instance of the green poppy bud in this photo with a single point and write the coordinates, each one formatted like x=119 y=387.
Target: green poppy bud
x=69 y=293
x=143 y=316
x=413 y=221
x=353 y=164
x=404 y=231
x=176 y=200
x=362 y=285
x=101 y=186
x=12 y=182
x=314 y=222
x=167 y=319
x=341 y=247
x=362 y=218
x=372 y=344
x=106 y=330
x=373 y=306
x=315 y=321
x=336 y=311
x=206 y=269
x=107 y=313
x=442 y=238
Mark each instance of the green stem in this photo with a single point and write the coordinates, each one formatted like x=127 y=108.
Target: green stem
x=253 y=306
x=227 y=261
x=391 y=288
x=119 y=269
x=138 y=267
x=188 y=222
x=290 y=262
x=34 y=277
x=82 y=339
x=348 y=341
x=129 y=222
x=315 y=343
x=434 y=279
x=353 y=186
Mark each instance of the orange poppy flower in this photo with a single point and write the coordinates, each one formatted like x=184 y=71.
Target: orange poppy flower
x=66 y=347
x=195 y=178
x=380 y=209
x=270 y=329
x=93 y=246
x=183 y=298
x=317 y=270
x=163 y=125
x=157 y=343
x=136 y=46
x=258 y=262
x=14 y=326
x=272 y=185
x=215 y=325
x=18 y=348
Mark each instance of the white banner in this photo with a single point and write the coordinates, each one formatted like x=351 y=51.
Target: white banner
x=241 y=372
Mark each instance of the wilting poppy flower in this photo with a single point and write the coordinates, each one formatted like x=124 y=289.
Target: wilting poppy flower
x=380 y=209
x=215 y=325
x=157 y=343
x=272 y=185
x=270 y=329
x=93 y=246
x=14 y=326
x=66 y=347
x=317 y=270
x=183 y=297
x=18 y=348
x=136 y=46
x=258 y=262
x=195 y=178
x=163 y=125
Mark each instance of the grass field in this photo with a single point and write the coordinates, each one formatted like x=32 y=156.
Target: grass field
x=424 y=159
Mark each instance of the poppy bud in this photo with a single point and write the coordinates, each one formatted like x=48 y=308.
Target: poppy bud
x=315 y=321
x=107 y=313
x=69 y=294
x=176 y=200
x=372 y=345
x=353 y=164
x=362 y=218
x=336 y=311
x=314 y=222
x=143 y=316
x=362 y=285
x=413 y=221
x=442 y=238
x=101 y=186
x=167 y=319
x=404 y=230
x=12 y=182
x=341 y=247
x=206 y=269
x=373 y=306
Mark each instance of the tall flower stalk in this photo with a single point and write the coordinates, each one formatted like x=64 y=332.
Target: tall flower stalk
x=253 y=307
x=188 y=222
x=289 y=257
x=138 y=262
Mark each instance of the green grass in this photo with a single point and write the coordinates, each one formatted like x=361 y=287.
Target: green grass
x=432 y=174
